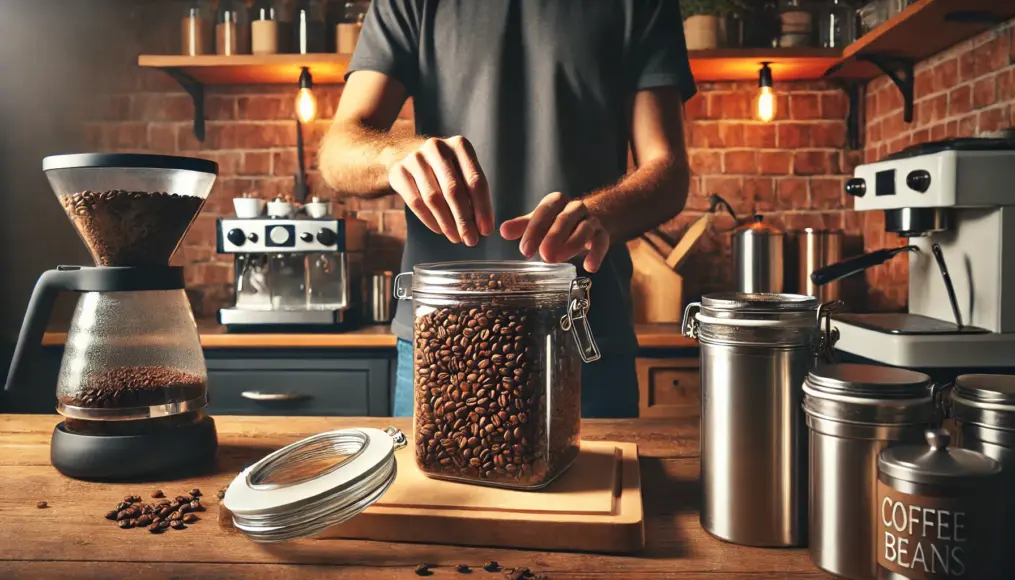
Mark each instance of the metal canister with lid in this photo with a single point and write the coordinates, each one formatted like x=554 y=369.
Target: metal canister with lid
x=756 y=350
x=855 y=411
x=983 y=407
x=937 y=514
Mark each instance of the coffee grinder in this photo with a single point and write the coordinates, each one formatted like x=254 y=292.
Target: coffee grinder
x=952 y=206
x=133 y=382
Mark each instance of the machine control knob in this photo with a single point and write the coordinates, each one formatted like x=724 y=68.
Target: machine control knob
x=327 y=237
x=278 y=235
x=252 y=237
x=307 y=237
x=856 y=187
x=236 y=237
x=918 y=180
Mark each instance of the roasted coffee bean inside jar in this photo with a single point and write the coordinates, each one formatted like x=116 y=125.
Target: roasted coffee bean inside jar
x=497 y=386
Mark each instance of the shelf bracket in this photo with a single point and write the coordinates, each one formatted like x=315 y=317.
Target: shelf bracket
x=196 y=91
x=855 y=91
x=900 y=70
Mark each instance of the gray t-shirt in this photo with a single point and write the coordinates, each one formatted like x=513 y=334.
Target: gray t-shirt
x=541 y=89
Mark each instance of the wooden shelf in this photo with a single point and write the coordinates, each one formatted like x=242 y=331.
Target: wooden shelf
x=743 y=64
x=249 y=69
x=724 y=64
x=923 y=29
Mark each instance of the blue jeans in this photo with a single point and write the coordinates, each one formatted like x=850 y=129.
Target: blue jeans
x=609 y=386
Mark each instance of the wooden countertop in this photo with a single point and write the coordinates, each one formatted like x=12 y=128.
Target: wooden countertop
x=215 y=336
x=70 y=539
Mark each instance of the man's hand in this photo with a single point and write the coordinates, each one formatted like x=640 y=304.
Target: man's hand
x=443 y=184
x=559 y=229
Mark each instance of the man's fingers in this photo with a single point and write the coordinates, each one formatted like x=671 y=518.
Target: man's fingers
x=514 y=228
x=444 y=166
x=551 y=247
x=430 y=191
x=475 y=183
x=542 y=219
x=562 y=250
x=405 y=186
x=598 y=246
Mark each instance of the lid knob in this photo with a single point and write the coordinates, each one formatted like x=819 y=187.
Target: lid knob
x=939 y=439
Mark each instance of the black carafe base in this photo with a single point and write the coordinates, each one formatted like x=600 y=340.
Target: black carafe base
x=162 y=454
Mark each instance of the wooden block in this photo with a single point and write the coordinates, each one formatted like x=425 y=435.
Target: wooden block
x=656 y=290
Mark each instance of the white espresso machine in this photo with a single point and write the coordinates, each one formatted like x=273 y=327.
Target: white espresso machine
x=954 y=201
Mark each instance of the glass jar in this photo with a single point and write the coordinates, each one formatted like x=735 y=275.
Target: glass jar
x=195 y=28
x=348 y=29
x=497 y=379
x=797 y=24
x=836 y=24
x=264 y=29
x=308 y=27
x=232 y=35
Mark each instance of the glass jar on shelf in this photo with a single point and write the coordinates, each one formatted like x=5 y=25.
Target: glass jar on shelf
x=836 y=24
x=797 y=24
x=347 y=30
x=232 y=35
x=265 y=27
x=195 y=28
x=498 y=348
x=308 y=27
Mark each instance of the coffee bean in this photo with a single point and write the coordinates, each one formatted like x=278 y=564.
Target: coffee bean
x=111 y=515
x=491 y=566
x=144 y=521
x=184 y=509
x=122 y=506
x=158 y=493
x=42 y=505
x=175 y=516
x=220 y=493
x=195 y=493
x=423 y=570
x=462 y=568
x=124 y=524
x=155 y=529
x=165 y=511
x=177 y=525
x=164 y=524
x=190 y=518
x=182 y=500
x=196 y=506
x=122 y=515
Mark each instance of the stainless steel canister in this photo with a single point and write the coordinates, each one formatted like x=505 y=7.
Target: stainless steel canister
x=937 y=512
x=815 y=250
x=756 y=350
x=758 y=257
x=983 y=407
x=853 y=412
x=380 y=294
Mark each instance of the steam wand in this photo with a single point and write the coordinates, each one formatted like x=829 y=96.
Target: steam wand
x=936 y=249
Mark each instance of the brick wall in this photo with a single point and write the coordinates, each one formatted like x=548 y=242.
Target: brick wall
x=965 y=91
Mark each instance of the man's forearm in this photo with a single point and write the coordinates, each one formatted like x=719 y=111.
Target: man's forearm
x=645 y=198
x=355 y=159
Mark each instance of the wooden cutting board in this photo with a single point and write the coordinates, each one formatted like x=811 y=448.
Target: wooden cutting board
x=595 y=506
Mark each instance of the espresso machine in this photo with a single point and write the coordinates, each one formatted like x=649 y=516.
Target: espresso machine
x=952 y=203
x=291 y=267
x=133 y=383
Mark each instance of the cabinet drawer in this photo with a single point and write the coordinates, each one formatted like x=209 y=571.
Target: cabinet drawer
x=298 y=387
x=669 y=387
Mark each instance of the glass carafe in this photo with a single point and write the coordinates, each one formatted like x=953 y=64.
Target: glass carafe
x=132 y=355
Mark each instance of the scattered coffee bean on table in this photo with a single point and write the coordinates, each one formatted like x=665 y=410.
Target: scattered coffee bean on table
x=177 y=525
x=462 y=568
x=423 y=570
x=190 y=518
x=158 y=493
x=42 y=505
x=131 y=228
x=195 y=493
x=497 y=390
x=135 y=386
x=491 y=566
x=156 y=516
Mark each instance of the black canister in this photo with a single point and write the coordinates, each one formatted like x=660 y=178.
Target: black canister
x=937 y=513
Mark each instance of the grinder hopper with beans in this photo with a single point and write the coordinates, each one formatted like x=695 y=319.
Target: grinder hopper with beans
x=133 y=382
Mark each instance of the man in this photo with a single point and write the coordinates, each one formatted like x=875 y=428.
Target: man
x=527 y=108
